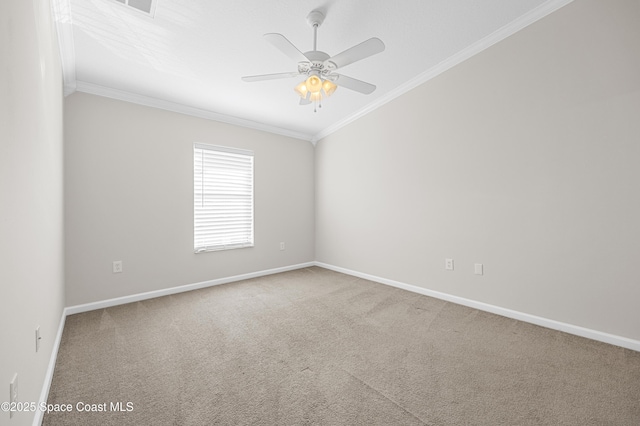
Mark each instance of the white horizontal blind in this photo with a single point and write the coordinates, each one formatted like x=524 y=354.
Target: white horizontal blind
x=223 y=198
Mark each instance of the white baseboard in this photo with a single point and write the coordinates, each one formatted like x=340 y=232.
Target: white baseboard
x=544 y=322
x=180 y=289
x=48 y=377
x=70 y=310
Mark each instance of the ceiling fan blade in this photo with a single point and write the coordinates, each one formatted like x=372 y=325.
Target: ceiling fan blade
x=359 y=51
x=263 y=77
x=306 y=100
x=285 y=46
x=353 y=84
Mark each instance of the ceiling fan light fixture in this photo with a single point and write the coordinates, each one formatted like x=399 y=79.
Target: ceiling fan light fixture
x=328 y=87
x=301 y=89
x=314 y=88
x=314 y=84
x=315 y=97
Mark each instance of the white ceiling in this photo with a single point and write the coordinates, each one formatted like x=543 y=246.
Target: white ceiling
x=190 y=56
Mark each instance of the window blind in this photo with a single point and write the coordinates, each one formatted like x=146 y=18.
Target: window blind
x=223 y=198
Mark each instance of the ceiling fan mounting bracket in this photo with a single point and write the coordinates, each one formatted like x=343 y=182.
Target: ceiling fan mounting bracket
x=315 y=18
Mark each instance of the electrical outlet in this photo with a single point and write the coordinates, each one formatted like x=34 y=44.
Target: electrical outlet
x=117 y=266
x=38 y=338
x=281 y=246
x=478 y=269
x=448 y=264
x=13 y=393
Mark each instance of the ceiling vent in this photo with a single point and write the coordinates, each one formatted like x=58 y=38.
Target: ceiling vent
x=147 y=7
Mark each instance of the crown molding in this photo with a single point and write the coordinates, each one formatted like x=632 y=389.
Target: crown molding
x=95 y=89
x=61 y=12
x=477 y=47
x=62 y=18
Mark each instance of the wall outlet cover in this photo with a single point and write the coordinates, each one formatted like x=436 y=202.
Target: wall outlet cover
x=448 y=264
x=38 y=338
x=478 y=269
x=13 y=393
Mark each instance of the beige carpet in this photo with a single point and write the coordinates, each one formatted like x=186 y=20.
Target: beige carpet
x=314 y=346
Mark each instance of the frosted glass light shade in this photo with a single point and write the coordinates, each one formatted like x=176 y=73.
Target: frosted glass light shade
x=301 y=89
x=312 y=88
x=328 y=87
x=315 y=96
x=314 y=84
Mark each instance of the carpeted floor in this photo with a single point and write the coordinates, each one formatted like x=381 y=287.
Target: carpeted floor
x=314 y=346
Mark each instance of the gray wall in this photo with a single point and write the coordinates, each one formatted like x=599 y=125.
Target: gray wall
x=524 y=158
x=31 y=198
x=129 y=197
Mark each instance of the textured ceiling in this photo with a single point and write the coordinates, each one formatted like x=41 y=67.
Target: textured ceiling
x=191 y=54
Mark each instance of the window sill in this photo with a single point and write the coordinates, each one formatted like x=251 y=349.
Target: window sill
x=222 y=248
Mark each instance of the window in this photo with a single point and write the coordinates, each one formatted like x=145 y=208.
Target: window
x=223 y=198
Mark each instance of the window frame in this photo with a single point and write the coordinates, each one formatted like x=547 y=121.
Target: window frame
x=235 y=161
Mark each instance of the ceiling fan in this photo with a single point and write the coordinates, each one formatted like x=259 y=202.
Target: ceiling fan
x=319 y=69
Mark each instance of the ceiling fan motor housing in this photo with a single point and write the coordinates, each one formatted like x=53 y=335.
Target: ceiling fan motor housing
x=316 y=64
